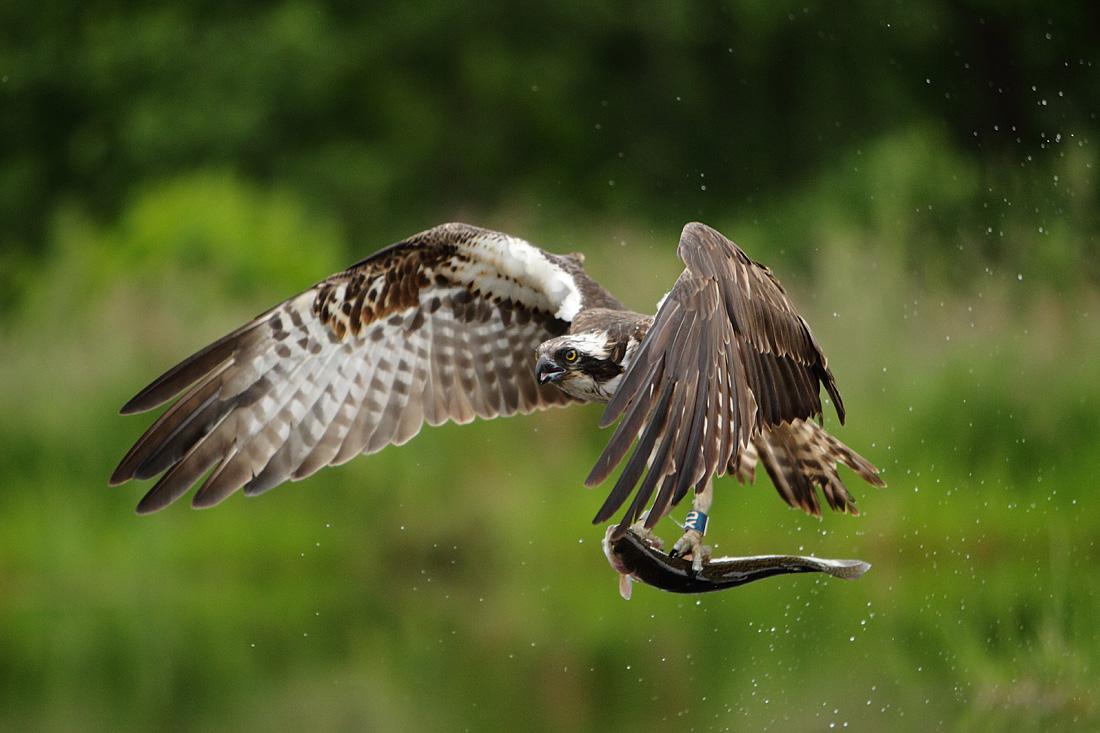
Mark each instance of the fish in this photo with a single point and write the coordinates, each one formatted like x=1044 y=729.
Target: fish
x=636 y=559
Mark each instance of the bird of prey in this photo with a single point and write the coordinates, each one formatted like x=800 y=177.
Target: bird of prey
x=460 y=322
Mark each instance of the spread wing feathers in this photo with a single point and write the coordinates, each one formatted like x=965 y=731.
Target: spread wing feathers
x=727 y=355
x=438 y=327
x=801 y=457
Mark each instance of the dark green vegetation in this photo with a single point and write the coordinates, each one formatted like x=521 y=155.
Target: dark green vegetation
x=921 y=176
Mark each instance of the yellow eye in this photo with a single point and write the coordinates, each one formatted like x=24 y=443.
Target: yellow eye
x=570 y=356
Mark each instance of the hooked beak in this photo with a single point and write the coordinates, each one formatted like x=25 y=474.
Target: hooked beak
x=546 y=370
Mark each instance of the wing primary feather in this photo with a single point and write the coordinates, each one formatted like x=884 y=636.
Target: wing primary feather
x=694 y=448
x=713 y=377
x=628 y=479
x=658 y=420
x=191 y=370
x=275 y=471
x=195 y=401
x=182 y=476
x=191 y=429
x=690 y=412
x=628 y=429
x=659 y=469
x=231 y=474
x=826 y=377
x=684 y=452
x=792 y=391
x=653 y=344
x=724 y=408
x=759 y=376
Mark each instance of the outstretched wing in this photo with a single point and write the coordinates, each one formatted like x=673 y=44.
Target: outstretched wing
x=727 y=355
x=439 y=327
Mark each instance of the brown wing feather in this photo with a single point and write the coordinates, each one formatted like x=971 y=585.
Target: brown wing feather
x=726 y=358
x=439 y=327
x=800 y=457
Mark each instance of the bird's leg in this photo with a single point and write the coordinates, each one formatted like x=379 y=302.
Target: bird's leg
x=694 y=529
x=646 y=534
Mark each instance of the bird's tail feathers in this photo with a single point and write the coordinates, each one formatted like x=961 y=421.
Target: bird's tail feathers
x=800 y=457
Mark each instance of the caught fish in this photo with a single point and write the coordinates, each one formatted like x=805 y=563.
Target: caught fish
x=636 y=559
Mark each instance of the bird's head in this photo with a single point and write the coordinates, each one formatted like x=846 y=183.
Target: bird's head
x=581 y=365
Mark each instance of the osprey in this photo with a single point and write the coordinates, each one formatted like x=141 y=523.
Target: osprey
x=460 y=322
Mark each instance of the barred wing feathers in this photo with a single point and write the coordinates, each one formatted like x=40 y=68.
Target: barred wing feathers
x=727 y=359
x=800 y=458
x=439 y=327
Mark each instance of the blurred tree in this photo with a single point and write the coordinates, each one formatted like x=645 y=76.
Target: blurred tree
x=394 y=115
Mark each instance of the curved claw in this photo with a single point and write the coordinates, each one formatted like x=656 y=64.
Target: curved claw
x=692 y=544
x=647 y=535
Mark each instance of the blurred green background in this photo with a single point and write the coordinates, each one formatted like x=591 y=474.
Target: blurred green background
x=920 y=175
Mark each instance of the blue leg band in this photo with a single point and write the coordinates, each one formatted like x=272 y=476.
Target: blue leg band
x=697 y=521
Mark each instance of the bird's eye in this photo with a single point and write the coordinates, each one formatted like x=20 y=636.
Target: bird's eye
x=570 y=356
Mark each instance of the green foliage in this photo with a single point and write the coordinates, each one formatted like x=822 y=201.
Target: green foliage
x=395 y=115
x=921 y=177
x=214 y=224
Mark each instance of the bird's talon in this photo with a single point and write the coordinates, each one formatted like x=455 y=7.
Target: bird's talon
x=646 y=535
x=692 y=544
